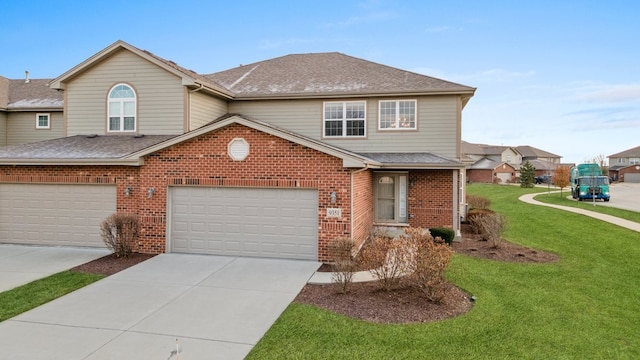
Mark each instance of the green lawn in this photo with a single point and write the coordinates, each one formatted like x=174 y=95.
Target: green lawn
x=586 y=306
x=565 y=200
x=36 y=293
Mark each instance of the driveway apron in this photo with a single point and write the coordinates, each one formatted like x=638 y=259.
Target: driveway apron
x=173 y=306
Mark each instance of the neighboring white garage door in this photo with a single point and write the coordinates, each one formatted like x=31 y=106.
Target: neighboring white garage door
x=279 y=223
x=632 y=178
x=60 y=215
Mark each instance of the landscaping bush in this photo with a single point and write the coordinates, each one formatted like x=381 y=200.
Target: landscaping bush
x=429 y=262
x=446 y=234
x=344 y=265
x=119 y=233
x=473 y=217
x=388 y=260
x=491 y=228
x=478 y=202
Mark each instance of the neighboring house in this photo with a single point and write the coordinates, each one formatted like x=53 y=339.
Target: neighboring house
x=625 y=166
x=29 y=110
x=501 y=164
x=271 y=159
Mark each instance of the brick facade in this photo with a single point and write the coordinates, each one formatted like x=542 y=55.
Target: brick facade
x=272 y=162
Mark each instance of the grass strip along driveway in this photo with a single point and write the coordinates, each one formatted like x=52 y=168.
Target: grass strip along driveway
x=586 y=305
x=26 y=297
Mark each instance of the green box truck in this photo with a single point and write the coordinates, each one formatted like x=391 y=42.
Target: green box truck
x=587 y=182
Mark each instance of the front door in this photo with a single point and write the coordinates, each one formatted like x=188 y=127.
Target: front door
x=391 y=198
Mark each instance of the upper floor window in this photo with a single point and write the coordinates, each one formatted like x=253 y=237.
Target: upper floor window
x=621 y=160
x=122 y=109
x=345 y=118
x=634 y=161
x=397 y=115
x=43 y=121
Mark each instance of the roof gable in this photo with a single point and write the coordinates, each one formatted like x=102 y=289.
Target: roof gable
x=327 y=75
x=633 y=152
x=189 y=77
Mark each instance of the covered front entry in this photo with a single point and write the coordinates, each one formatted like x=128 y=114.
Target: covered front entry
x=54 y=214
x=261 y=222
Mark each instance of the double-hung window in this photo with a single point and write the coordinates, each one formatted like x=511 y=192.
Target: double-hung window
x=122 y=109
x=345 y=118
x=397 y=115
x=43 y=121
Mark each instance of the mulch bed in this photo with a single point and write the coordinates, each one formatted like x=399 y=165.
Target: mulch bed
x=111 y=264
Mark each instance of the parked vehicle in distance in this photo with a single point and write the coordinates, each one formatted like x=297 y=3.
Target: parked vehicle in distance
x=587 y=182
x=544 y=179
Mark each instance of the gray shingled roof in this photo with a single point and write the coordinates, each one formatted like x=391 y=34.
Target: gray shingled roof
x=327 y=74
x=633 y=152
x=34 y=94
x=423 y=159
x=82 y=147
x=530 y=151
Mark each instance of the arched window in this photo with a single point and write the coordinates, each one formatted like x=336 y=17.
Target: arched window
x=122 y=109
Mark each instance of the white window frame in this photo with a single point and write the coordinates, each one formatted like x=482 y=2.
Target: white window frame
x=622 y=160
x=48 y=126
x=344 y=119
x=634 y=161
x=398 y=124
x=121 y=113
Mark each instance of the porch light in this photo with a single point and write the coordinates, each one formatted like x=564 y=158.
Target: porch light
x=150 y=192
x=333 y=197
x=127 y=191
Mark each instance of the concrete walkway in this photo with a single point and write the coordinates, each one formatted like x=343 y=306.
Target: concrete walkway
x=529 y=198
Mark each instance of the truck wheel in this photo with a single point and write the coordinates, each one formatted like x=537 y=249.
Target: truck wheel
x=607 y=199
x=579 y=199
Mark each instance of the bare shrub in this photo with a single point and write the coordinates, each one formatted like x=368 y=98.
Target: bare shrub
x=344 y=265
x=492 y=226
x=119 y=233
x=478 y=202
x=474 y=217
x=429 y=263
x=388 y=260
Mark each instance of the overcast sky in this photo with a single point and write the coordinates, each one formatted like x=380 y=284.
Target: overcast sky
x=562 y=76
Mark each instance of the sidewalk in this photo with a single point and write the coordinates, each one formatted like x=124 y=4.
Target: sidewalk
x=529 y=199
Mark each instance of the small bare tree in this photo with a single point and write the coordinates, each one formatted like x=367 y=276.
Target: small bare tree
x=388 y=260
x=344 y=265
x=491 y=228
x=120 y=232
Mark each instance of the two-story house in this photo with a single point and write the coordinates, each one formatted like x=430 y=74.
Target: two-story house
x=29 y=110
x=625 y=165
x=271 y=159
x=501 y=164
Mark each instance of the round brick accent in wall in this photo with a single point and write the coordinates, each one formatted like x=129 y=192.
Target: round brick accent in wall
x=238 y=149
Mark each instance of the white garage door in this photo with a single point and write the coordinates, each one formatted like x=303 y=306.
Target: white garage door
x=632 y=178
x=279 y=223
x=59 y=215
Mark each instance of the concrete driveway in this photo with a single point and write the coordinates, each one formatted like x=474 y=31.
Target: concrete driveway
x=20 y=264
x=202 y=306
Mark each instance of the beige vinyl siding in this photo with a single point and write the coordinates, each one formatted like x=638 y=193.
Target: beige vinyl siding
x=437 y=124
x=204 y=109
x=3 y=128
x=160 y=97
x=21 y=127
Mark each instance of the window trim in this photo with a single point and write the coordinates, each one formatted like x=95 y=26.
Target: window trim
x=122 y=117
x=397 y=128
x=38 y=126
x=344 y=120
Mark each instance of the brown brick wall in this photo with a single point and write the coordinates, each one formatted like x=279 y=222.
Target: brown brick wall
x=431 y=198
x=480 y=175
x=363 y=205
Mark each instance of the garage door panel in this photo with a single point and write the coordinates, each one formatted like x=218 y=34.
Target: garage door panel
x=247 y=221
x=55 y=214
